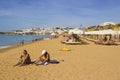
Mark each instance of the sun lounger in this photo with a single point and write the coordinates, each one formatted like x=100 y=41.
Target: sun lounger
x=106 y=43
x=63 y=42
x=73 y=43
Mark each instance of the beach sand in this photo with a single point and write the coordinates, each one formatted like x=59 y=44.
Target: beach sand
x=84 y=62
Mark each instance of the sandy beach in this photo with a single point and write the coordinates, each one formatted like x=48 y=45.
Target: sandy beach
x=84 y=62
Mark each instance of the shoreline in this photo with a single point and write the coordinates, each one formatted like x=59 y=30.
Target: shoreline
x=46 y=37
x=3 y=47
x=6 y=48
x=84 y=62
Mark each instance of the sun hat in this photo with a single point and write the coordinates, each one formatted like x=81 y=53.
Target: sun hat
x=43 y=52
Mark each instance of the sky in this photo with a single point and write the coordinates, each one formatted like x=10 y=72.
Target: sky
x=23 y=14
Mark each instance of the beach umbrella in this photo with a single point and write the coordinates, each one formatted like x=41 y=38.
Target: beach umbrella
x=118 y=32
x=92 y=32
x=102 y=32
x=75 y=31
x=53 y=34
x=108 y=32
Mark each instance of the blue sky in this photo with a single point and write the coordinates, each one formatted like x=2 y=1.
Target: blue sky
x=22 y=14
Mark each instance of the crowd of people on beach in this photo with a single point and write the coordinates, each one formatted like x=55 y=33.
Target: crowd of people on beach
x=71 y=38
x=44 y=59
x=33 y=40
x=22 y=42
x=105 y=40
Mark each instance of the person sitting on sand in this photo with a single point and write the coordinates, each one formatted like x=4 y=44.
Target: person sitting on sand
x=24 y=59
x=44 y=59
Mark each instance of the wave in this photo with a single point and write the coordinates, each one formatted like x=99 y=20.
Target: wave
x=3 y=47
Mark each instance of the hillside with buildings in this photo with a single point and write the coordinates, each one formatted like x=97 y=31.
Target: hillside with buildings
x=59 y=30
x=47 y=31
x=104 y=26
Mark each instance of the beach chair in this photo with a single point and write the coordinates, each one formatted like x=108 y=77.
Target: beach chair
x=73 y=43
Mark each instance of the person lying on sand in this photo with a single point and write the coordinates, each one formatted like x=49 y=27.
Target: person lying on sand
x=24 y=59
x=44 y=59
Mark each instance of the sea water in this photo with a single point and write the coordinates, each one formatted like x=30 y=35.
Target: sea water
x=10 y=40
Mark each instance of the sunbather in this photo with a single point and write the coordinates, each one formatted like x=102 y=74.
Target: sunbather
x=44 y=59
x=24 y=59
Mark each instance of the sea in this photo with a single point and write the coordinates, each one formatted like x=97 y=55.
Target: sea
x=12 y=40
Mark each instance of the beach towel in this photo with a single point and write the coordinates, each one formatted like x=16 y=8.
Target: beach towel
x=46 y=63
x=51 y=62
x=54 y=61
x=65 y=49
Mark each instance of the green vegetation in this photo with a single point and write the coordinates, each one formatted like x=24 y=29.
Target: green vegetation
x=2 y=33
x=95 y=28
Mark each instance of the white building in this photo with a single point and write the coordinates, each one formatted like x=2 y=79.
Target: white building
x=108 y=23
x=76 y=31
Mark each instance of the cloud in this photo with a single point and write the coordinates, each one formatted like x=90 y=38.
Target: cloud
x=57 y=12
